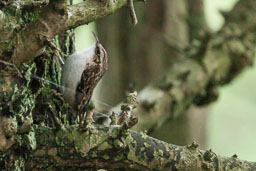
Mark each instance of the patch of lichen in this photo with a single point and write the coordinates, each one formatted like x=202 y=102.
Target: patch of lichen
x=83 y=141
x=27 y=141
x=18 y=101
x=144 y=151
x=25 y=96
x=9 y=161
x=11 y=21
x=48 y=84
x=21 y=100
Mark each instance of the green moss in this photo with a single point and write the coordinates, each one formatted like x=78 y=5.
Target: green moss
x=19 y=164
x=106 y=157
x=105 y=146
x=30 y=140
x=158 y=153
x=84 y=142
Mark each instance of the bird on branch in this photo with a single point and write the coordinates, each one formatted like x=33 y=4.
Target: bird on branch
x=80 y=75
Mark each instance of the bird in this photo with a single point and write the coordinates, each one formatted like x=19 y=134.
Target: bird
x=80 y=75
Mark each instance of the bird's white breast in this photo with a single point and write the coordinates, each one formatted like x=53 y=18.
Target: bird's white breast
x=72 y=72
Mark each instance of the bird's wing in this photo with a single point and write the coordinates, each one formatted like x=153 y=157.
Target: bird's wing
x=83 y=95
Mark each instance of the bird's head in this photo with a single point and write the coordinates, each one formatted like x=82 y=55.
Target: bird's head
x=100 y=54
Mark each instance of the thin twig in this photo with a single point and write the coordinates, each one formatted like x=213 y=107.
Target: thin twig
x=132 y=12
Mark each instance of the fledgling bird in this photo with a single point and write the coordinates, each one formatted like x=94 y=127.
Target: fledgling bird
x=80 y=75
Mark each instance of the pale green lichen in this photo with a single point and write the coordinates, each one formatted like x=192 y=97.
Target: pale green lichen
x=19 y=164
x=9 y=126
x=104 y=146
x=146 y=145
x=144 y=134
x=158 y=153
x=83 y=142
x=106 y=157
x=30 y=140
x=118 y=144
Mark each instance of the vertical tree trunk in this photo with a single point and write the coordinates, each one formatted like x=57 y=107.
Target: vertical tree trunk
x=27 y=98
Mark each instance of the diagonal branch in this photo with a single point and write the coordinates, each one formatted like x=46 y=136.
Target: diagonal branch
x=91 y=10
x=108 y=149
x=54 y=19
x=194 y=80
x=98 y=147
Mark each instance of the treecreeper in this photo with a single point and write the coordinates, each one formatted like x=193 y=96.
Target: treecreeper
x=80 y=75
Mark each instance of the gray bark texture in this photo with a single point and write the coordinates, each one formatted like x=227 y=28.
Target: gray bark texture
x=35 y=129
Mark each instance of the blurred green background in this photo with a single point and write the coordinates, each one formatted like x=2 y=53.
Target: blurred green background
x=231 y=121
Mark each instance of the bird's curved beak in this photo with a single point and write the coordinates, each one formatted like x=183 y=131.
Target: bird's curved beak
x=96 y=37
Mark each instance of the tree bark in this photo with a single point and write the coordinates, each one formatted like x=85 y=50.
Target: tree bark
x=115 y=148
x=53 y=19
x=26 y=139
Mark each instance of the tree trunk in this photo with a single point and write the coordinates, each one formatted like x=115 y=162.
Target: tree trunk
x=29 y=93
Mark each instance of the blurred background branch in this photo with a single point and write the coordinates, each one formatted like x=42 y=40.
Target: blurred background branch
x=172 y=57
x=176 y=29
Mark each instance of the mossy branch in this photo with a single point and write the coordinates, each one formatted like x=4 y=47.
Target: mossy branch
x=98 y=146
x=109 y=148
x=53 y=19
x=113 y=147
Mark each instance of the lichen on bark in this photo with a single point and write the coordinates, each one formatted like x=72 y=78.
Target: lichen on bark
x=27 y=99
x=31 y=140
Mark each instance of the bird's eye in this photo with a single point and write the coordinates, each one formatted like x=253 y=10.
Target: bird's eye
x=98 y=51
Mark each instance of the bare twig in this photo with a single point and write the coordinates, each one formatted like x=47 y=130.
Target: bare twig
x=132 y=12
